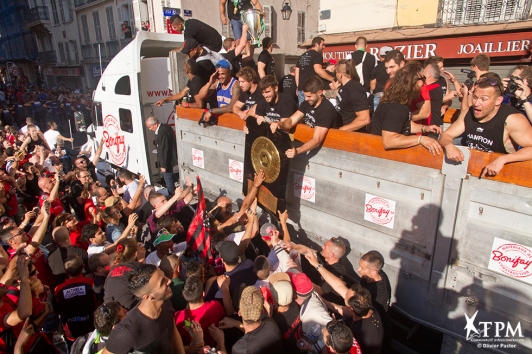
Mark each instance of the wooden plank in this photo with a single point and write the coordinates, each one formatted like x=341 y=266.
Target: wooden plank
x=451 y=115
x=370 y=145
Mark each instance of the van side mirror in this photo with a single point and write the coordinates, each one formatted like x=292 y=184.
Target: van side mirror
x=79 y=120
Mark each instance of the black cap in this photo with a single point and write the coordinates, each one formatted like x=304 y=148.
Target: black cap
x=228 y=250
x=190 y=44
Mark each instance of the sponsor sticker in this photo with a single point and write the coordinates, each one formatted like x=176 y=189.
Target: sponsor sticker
x=379 y=210
x=305 y=187
x=73 y=292
x=197 y=158
x=115 y=141
x=236 y=170
x=511 y=259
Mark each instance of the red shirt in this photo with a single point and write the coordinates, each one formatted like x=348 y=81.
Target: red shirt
x=355 y=349
x=210 y=312
x=41 y=264
x=56 y=207
x=75 y=235
x=424 y=95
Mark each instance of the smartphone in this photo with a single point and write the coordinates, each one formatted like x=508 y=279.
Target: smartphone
x=95 y=200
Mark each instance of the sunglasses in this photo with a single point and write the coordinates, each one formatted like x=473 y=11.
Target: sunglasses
x=422 y=78
x=490 y=81
x=20 y=233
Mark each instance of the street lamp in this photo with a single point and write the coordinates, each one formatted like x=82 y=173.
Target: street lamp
x=286 y=10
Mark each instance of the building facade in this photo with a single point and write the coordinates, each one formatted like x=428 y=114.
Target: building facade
x=457 y=30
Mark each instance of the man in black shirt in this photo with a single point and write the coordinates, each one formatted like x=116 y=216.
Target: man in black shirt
x=309 y=65
x=57 y=258
x=150 y=326
x=351 y=101
x=266 y=64
x=126 y=29
x=82 y=163
x=288 y=84
x=379 y=77
x=368 y=60
x=250 y=94
x=234 y=48
x=276 y=106
x=490 y=126
x=206 y=68
x=203 y=33
x=192 y=89
x=233 y=12
x=316 y=111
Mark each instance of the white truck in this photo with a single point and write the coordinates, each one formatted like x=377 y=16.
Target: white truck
x=457 y=248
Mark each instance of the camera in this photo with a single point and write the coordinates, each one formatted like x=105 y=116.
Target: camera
x=512 y=86
x=36 y=210
x=470 y=75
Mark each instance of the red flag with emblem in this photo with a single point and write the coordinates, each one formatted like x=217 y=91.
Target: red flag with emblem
x=199 y=232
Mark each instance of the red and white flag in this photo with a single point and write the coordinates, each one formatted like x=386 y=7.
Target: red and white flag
x=199 y=232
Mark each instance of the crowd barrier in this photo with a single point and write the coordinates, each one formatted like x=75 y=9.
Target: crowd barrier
x=453 y=243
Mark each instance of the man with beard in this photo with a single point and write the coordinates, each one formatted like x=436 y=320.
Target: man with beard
x=148 y=327
x=351 y=101
x=191 y=91
x=317 y=112
x=276 y=105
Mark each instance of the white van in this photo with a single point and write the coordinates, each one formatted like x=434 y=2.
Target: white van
x=138 y=76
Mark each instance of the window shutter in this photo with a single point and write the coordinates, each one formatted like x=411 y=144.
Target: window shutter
x=267 y=21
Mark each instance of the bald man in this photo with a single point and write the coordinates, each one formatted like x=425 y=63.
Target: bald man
x=61 y=237
x=166 y=151
x=50 y=189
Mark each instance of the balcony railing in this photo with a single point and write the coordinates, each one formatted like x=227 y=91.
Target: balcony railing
x=86 y=51
x=47 y=57
x=473 y=12
x=112 y=48
x=78 y=3
x=38 y=13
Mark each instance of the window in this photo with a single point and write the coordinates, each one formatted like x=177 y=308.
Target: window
x=97 y=27
x=126 y=122
x=75 y=50
x=97 y=109
x=267 y=21
x=110 y=22
x=65 y=7
x=67 y=52
x=85 y=29
x=123 y=86
x=300 y=27
x=54 y=12
x=61 y=52
x=465 y=12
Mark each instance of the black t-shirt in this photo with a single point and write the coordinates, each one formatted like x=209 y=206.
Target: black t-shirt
x=369 y=64
x=288 y=86
x=392 y=117
x=127 y=32
x=250 y=99
x=289 y=323
x=242 y=5
x=265 y=339
x=379 y=73
x=369 y=333
x=144 y=212
x=306 y=66
x=143 y=334
x=235 y=60
x=99 y=281
x=351 y=98
x=57 y=258
x=273 y=112
x=116 y=286
x=75 y=303
x=266 y=58
x=204 y=34
x=194 y=86
x=436 y=101
x=324 y=115
x=205 y=67
x=443 y=84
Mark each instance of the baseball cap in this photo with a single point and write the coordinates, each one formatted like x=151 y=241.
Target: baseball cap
x=109 y=202
x=384 y=50
x=223 y=64
x=282 y=292
x=266 y=230
x=163 y=236
x=228 y=250
x=190 y=44
x=251 y=304
x=301 y=284
x=331 y=62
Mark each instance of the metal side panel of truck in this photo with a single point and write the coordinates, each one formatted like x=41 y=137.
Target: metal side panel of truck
x=453 y=244
x=138 y=76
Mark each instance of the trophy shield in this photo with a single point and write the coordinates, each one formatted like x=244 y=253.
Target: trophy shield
x=253 y=18
x=265 y=151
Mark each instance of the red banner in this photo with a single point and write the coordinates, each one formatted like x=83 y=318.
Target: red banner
x=495 y=45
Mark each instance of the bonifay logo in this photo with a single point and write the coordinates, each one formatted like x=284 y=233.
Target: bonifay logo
x=493 y=334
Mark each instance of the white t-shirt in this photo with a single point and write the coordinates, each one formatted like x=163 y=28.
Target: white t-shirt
x=24 y=129
x=51 y=137
x=94 y=249
x=130 y=190
x=155 y=260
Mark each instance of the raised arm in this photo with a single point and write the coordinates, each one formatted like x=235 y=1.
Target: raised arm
x=336 y=283
x=98 y=152
x=318 y=68
x=252 y=193
x=36 y=239
x=174 y=97
x=135 y=201
x=209 y=87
